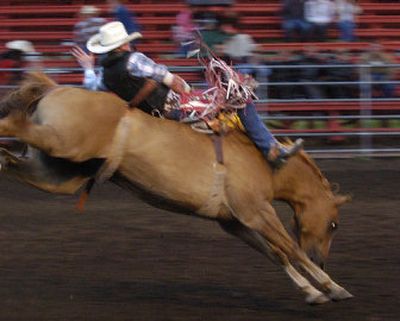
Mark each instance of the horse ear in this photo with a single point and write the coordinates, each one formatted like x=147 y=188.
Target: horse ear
x=341 y=199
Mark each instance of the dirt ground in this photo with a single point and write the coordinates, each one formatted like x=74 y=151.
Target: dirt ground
x=124 y=260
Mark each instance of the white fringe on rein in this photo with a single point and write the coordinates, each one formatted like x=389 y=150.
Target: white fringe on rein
x=234 y=90
x=228 y=90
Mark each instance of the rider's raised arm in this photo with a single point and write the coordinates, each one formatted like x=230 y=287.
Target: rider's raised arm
x=91 y=80
x=140 y=65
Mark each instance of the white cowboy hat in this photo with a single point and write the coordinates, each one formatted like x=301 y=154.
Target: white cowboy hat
x=22 y=45
x=111 y=35
x=89 y=10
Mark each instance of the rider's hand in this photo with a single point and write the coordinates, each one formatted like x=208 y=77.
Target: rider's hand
x=179 y=85
x=85 y=60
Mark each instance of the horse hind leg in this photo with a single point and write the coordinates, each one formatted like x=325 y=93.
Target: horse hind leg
x=42 y=137
x=46 y=173
x=256 y=241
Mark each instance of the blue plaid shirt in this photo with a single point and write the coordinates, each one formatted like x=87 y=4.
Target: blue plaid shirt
x=139 y=65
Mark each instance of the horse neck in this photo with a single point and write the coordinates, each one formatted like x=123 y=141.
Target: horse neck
x=300 y=182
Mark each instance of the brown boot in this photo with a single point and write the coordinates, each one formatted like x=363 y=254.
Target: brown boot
x=278 y=155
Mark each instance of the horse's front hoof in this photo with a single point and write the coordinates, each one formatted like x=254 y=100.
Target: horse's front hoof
x=340 y=294
x=317 y=298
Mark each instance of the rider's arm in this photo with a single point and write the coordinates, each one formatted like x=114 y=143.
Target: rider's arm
x=91 y=80
x=140 y=65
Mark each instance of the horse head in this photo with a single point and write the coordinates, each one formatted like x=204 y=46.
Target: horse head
x=315 y=224
x=315 y=205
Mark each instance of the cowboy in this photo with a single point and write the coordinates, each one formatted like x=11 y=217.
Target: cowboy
x=144 y=84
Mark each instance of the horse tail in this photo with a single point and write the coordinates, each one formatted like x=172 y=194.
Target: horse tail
x=25 y=98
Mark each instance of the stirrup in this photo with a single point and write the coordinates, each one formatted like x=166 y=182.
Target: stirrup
x=202 y=127
x=277 y=161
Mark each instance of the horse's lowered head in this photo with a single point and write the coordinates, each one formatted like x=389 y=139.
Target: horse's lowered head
x=315 y=224
x=315 y=205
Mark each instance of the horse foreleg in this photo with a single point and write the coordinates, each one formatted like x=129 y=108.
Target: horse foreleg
x=267 y=223
x=256 y=241
x=250 y=237
x=334 y=291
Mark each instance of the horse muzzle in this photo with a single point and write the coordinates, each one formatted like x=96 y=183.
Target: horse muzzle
x=316 y=258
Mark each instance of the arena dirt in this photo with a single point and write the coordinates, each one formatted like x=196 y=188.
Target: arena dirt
x=124 y=260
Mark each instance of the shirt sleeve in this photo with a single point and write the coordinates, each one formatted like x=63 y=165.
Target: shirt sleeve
x=140 y=65
x=93 y=81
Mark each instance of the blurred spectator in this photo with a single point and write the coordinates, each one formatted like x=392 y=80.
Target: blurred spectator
x=19 y=54
x=121 y=13
x=377 y=58
x=294 y=24
x=184 y=31
x=211 y=32
x=88 y=25
x=239 y=49
x=320 y=13
x=343 y=73
x=346 y=12
x=311 y=57
x=285 y=58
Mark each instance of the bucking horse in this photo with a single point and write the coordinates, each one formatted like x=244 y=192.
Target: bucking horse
x=74 y=135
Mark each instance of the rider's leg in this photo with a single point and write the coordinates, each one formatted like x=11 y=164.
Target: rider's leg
x=263 y=138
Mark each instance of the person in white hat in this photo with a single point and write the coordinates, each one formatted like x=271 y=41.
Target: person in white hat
x=22 y=45
x=20 y=55
x=144 y=84
x=130 y=74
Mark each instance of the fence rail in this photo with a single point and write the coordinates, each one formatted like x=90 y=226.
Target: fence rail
x=363 y=113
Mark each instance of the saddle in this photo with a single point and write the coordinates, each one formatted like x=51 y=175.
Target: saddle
x=200 y=111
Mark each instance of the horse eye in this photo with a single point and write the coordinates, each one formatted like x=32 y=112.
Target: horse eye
x=334 y=226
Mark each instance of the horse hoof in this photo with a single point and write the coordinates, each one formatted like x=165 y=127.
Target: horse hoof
x=317 y=298
x=340 y=294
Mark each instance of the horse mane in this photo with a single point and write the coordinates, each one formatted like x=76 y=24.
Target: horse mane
x=309 y=161
x=24 y=99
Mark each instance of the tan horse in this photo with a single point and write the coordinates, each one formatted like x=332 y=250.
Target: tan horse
x=72 y=133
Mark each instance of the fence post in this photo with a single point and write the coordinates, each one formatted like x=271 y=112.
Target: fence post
x=365 y=105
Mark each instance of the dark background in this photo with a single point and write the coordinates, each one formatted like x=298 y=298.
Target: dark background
x=124 y=260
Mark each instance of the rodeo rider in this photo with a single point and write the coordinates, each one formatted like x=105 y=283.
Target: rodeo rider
x=133 y=76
